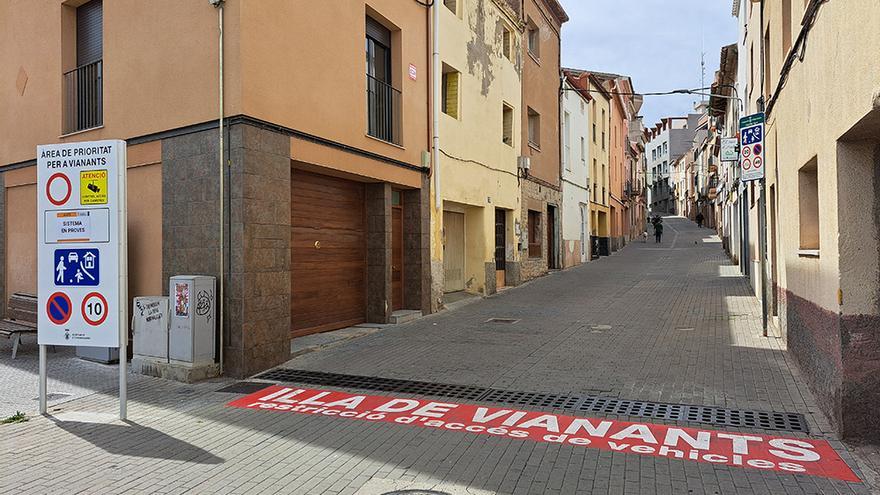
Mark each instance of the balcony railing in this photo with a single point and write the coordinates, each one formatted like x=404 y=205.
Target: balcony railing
x=383 y=110
x=83 y=97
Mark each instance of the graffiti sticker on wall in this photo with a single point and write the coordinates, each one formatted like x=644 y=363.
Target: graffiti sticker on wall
x=181 y=299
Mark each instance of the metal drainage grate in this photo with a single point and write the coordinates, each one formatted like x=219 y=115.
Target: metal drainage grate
x=716 y=416
x=244 y=387
x=509 y=321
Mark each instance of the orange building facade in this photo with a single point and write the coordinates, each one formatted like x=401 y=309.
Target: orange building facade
x=326 y=220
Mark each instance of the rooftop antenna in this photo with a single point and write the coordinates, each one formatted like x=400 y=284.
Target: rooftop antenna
x=702 y=63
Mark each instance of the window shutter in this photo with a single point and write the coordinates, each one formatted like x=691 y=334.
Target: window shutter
x=89 y=32
x=378 y=32
x=452 y=94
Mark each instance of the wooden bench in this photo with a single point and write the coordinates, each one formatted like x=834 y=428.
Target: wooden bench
x=21 y=319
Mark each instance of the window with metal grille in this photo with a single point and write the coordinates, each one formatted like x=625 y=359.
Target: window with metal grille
x=383 y=100
x=83 y=86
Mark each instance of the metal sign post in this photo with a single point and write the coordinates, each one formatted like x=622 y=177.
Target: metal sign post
x=752 y=166
x=82 y=274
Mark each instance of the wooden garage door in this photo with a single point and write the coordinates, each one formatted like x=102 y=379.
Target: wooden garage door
x=328 y=258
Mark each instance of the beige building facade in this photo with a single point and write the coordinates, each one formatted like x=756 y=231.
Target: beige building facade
x=474 y=244
x=823 y=144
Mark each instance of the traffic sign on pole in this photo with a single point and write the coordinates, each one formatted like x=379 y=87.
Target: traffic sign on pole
x=82 y=270
x=80 y=242
x=751 y=132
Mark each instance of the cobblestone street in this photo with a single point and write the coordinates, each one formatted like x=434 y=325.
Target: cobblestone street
x=668 y=322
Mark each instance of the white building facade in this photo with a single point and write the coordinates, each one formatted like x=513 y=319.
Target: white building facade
x=574 y=126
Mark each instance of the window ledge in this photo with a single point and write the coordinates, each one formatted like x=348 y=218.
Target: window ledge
x=534 y=146
x=808 y=253
x=534 y=57
x=74 y=133
x=374 y=138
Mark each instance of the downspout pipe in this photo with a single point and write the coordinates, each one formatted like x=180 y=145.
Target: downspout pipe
x=218 y=4
x=435 y=103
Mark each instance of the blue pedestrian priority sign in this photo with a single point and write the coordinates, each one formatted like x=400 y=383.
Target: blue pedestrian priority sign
x=751 y=162
x=77 y=267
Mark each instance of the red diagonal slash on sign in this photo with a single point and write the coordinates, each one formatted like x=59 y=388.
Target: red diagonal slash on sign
x=742 y=450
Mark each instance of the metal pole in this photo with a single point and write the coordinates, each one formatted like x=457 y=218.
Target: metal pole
x=123 y=286
x=762 y=233
x=42 y=379
x=220 y=319
x=123 y=370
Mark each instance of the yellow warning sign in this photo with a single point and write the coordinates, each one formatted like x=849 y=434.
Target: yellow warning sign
x=93 y=187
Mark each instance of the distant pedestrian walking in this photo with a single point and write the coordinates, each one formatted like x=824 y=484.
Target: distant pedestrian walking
x=658 y=231
x=699 y=220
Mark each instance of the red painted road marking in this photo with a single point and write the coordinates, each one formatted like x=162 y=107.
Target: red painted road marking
x=52 y=199
x=791 y=455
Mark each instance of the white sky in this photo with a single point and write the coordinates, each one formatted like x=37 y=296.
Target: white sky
x=656 y=42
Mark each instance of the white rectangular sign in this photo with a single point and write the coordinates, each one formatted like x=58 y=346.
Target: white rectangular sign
x=729 y=151
x=81 y=243
x=751 y=153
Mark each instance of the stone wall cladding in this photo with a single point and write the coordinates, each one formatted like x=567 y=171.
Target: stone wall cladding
x=378 y=210
x=532 y=194
x=512 y=273
x=257 y=292
x=261 y=182
x=417 y=248
x=491 y=282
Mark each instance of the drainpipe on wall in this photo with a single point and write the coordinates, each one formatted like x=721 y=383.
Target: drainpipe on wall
x=435 y=104
x=219 y=5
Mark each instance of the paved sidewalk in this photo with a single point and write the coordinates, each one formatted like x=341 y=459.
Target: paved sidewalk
x=669 y=322
x=69 y=377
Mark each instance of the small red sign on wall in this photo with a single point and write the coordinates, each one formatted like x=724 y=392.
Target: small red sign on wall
x=413 y=72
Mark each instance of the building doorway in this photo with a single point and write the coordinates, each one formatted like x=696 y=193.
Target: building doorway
x=500 y=247
x=551 y=237
x=583 y=233
x=453 y=251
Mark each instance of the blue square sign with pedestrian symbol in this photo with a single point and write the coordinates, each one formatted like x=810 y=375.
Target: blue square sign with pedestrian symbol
x=77 y=267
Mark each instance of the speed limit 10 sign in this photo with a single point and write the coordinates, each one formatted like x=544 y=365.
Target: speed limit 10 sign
x=751 y=159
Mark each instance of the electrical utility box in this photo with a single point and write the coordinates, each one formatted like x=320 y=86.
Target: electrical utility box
x=149 y=322
x=192 y=322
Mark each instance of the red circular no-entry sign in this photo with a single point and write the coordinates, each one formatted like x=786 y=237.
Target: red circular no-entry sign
x=58 y=189
x=94 y=308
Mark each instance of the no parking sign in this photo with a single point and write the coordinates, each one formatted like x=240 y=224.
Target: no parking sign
x=751 y=132
x=81 y=241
